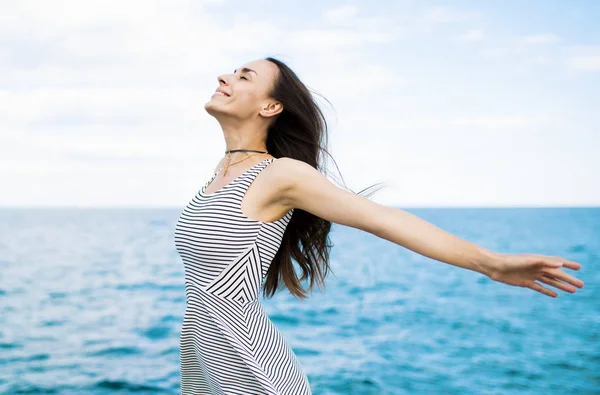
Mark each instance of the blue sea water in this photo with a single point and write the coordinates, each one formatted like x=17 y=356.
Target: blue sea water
x=92 y=301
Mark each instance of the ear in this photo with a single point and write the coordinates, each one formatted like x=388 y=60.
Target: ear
x=271 y=109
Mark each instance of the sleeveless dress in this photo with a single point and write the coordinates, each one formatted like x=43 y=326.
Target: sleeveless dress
x=228 y=344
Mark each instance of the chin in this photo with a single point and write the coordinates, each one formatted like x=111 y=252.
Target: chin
x=215 y=110
x=210 y=107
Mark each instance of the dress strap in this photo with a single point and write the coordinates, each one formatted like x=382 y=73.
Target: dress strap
x=250 y=175
x=245 y=178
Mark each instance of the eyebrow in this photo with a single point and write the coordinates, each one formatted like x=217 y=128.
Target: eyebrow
x=246 y=70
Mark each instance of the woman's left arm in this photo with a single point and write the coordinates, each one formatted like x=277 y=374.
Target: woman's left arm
x=311 y=191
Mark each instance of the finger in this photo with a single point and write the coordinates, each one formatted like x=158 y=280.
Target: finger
x=558 y=284
x=537 y=287
x=571 y=264
x=553 y=264
x=562 y=276
x=567 y=263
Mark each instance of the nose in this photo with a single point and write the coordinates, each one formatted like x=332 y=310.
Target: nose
x=222 y=79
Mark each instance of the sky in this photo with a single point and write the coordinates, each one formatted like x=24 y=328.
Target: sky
x=449 y=103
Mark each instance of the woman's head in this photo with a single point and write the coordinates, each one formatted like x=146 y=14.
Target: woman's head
x=245 y=94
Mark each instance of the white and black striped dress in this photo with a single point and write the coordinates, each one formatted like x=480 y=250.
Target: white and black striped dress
x=228 y=344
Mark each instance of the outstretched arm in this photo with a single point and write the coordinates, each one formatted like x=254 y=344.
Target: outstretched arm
x=311 y=191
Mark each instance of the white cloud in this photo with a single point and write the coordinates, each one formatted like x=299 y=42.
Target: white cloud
x=343 y=14
x=472 y=35
x=539 y=39
x=321 y=40
x=584 y=57
x=433 y=20
x=502 y=125
x=511 y=121
x=525 y=48
x=591 y=62
x=443 y=15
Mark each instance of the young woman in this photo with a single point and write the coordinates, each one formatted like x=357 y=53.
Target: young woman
x=266 y=204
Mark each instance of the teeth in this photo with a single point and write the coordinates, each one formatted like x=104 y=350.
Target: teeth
x=220 y=93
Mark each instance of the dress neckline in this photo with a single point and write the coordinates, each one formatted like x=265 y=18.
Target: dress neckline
x=202 y=191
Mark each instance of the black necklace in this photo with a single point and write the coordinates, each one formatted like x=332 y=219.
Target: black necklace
x=245 y=150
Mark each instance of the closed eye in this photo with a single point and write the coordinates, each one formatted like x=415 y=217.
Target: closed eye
x=242 y=77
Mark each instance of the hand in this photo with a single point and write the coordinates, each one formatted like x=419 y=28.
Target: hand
x=522 y=270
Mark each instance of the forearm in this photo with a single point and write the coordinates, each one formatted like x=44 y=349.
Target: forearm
x=422 y=237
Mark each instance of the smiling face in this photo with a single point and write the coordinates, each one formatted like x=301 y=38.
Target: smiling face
x=244 y=94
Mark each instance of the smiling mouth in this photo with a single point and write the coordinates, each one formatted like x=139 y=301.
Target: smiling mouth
x=220 y=94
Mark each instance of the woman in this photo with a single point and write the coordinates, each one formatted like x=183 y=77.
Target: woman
x=267 y=199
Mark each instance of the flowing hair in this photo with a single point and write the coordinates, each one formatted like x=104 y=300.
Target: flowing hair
x=300 y=132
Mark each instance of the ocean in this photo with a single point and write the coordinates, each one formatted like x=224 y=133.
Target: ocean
x=92 y=301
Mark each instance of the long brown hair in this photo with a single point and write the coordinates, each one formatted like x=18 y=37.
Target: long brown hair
x=300 y=132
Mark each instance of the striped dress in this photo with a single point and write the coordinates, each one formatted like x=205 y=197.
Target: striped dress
x=228 y=344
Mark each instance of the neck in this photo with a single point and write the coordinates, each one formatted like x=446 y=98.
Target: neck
x=244 y=136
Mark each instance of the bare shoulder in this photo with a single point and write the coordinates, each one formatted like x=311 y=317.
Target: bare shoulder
x=294 y=167
x=287 y=172
x=297 y=178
